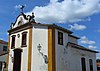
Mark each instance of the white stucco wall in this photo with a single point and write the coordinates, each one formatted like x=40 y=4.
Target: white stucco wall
x=40 y=36
x=74 y=59
x=72 y=39
x=69 y=59
x=61 y=52
x=3 y=58
x=24 y=57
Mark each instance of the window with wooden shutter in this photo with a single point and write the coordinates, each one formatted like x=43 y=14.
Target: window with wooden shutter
x=24 y=39
x=13 y=42
x=60 y=38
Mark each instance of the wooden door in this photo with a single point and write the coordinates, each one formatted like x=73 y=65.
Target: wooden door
x=17 y=60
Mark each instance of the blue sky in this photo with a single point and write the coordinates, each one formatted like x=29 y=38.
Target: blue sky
x=80 y=16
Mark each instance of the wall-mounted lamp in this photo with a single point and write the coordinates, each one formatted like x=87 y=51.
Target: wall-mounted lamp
x=12 y=58
x=39 y=47
x=45 y=57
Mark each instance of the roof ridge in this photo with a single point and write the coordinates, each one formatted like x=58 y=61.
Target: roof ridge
x=3 y=42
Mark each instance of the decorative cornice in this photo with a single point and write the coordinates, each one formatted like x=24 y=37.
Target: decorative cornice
x=54 y=26
x=20 y=28
x=3 y=42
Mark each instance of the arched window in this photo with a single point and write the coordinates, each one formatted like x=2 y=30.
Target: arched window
x=83 y=64
x=91 y=64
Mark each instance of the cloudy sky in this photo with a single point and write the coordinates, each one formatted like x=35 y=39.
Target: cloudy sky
x=80 y=16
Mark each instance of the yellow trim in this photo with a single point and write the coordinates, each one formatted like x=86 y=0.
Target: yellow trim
x=30 y=49
x=7 y=59
x=51 y=49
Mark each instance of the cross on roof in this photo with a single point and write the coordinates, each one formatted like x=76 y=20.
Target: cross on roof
x=22 y=7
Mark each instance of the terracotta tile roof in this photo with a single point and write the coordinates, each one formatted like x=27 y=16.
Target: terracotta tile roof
x=3 y=42
x=98 y=64
x=3 y=53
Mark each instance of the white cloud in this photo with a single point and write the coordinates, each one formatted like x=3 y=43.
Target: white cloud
x=1 y=39
x=98 y=55
x=66 y=11
x=18 y=6
x=53 y=1
x=88 y=19
x=77 y=27
x=90 y=43
x=85 y=40
x=92 y=47
x=98 y=30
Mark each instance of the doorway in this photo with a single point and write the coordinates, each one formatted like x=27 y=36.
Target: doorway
x=17 y=60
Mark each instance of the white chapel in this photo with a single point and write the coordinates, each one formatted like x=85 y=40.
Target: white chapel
x=46 y=47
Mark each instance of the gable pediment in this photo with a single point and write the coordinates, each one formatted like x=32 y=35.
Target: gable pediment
x=22 y=19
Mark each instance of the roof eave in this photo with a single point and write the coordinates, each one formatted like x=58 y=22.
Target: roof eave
x=81 y=47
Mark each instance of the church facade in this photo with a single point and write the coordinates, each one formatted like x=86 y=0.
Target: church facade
x=46 y=47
